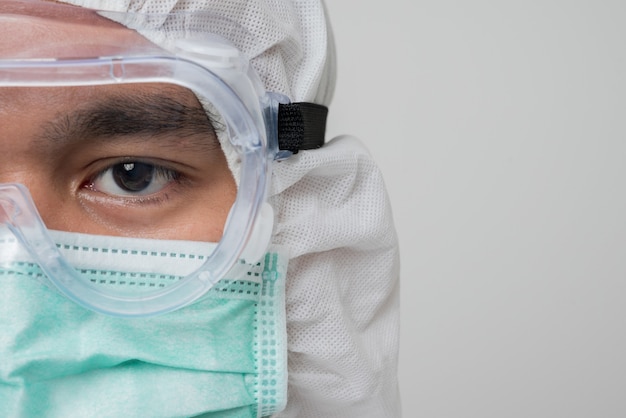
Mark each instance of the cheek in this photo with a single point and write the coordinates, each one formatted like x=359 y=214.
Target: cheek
x=202 y=218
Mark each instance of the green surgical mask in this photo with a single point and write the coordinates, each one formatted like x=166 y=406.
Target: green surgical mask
x=224 y=355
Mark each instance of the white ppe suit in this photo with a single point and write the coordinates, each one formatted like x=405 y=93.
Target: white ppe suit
x=333 y=214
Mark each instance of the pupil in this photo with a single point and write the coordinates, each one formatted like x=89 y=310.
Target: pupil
x=133 y=177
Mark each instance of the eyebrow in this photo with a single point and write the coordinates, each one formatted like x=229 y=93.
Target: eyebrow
x=142 y=116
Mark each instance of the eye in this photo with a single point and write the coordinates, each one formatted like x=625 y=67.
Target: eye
x=133 y=178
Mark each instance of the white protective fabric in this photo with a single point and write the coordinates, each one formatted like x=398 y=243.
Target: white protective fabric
x=332 y=212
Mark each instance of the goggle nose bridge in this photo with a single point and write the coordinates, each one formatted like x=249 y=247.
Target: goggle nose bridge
x=19 y=214
x=8 y=209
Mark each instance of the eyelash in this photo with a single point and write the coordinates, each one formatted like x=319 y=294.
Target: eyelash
x=158 y=173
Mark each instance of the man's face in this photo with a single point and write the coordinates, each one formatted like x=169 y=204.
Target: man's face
x=139 y=160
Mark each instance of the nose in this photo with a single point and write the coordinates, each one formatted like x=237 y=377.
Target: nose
x=29 y=169
x=16 y=205
x=21 y=203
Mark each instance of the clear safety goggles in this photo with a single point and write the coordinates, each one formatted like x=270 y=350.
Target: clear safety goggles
x=104 y=133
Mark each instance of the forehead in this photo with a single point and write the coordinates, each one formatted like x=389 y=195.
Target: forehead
x=40 y=29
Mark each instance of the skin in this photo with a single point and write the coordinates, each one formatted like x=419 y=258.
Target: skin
x=67 y=144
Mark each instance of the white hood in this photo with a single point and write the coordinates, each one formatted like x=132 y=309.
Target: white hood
x=332 y=212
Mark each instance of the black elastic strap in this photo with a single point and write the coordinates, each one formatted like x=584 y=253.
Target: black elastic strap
x=301 y=126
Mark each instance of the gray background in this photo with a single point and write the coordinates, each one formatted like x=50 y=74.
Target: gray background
x=499 y=126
